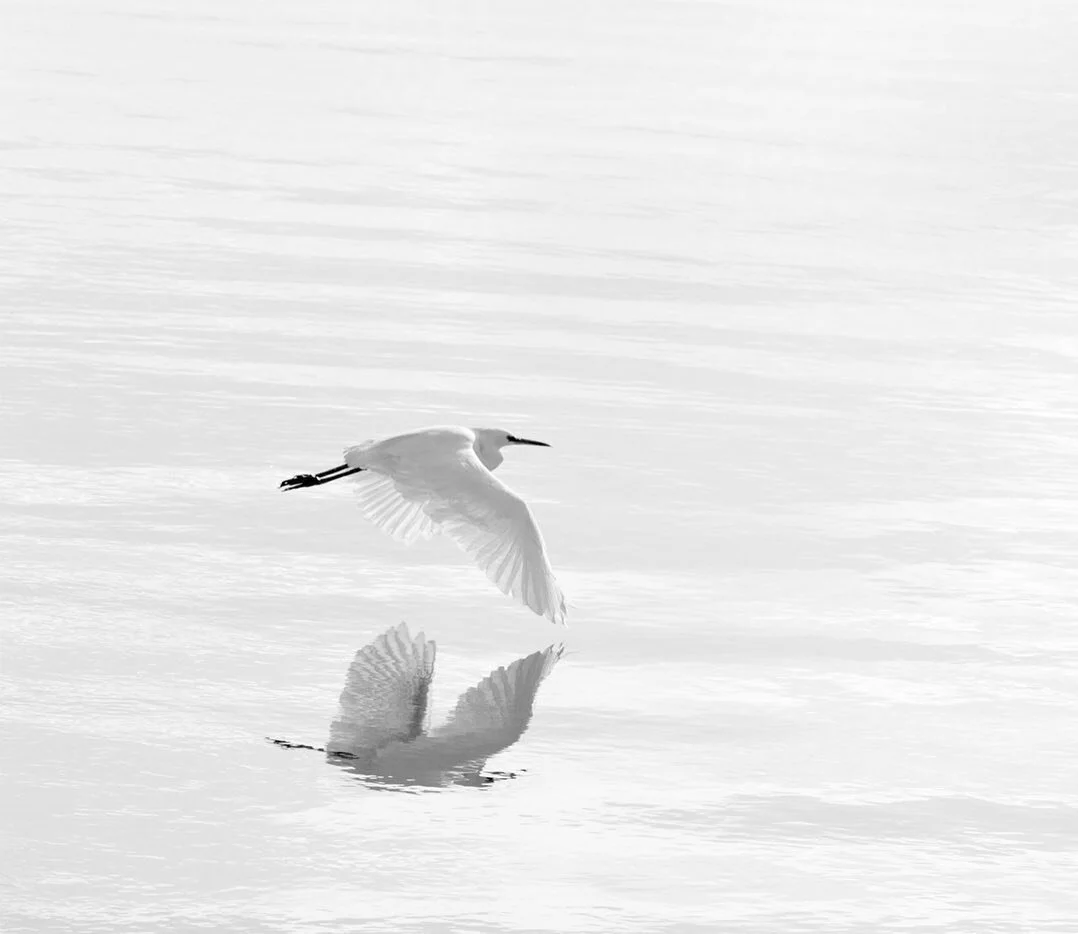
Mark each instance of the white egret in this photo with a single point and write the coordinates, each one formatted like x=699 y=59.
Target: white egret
x=380 y=730
x=439 y=480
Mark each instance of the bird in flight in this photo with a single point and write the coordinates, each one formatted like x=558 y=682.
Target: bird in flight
x=381 y=728
x=439 y=480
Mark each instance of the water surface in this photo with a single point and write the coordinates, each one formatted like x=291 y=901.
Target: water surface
x=789 y=289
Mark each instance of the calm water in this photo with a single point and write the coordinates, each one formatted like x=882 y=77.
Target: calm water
x=789 y=287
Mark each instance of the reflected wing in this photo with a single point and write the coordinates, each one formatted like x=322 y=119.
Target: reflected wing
x=495 y=713
x=454 y=493
x=385 y=693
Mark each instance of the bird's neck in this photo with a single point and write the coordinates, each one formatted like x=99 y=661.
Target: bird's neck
x=490 y=457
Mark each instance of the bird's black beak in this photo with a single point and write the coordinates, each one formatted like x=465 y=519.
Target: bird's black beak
x=539 y=444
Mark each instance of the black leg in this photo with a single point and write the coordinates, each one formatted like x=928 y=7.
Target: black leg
x=317 y=479
x=287 y=745
x=328 y=474
x=284 y=743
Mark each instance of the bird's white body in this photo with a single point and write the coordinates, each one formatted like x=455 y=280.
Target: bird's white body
x=381 y=724
x=439 y=480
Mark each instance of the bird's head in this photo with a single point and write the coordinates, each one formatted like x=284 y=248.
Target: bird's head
x=490 y=441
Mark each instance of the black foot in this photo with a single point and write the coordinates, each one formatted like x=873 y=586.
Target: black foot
x=300 y=480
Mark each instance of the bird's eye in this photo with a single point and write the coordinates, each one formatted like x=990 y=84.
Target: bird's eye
x=511 y=438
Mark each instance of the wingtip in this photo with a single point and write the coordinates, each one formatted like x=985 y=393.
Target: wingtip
x=402 y=632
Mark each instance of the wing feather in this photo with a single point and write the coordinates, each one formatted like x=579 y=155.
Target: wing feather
x=495 y=713
x=495 y=527
x=453 y=493
x=385 y=693
x=385 y=505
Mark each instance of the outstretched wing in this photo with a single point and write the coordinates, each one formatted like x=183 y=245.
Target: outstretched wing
x=495 y=713
x=385 y=693
x=497 y=530
x=450 y=491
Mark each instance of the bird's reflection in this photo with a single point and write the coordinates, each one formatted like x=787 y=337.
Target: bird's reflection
x=382 y=732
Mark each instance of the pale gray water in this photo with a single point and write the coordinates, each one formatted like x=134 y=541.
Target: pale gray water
x=788 y=286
